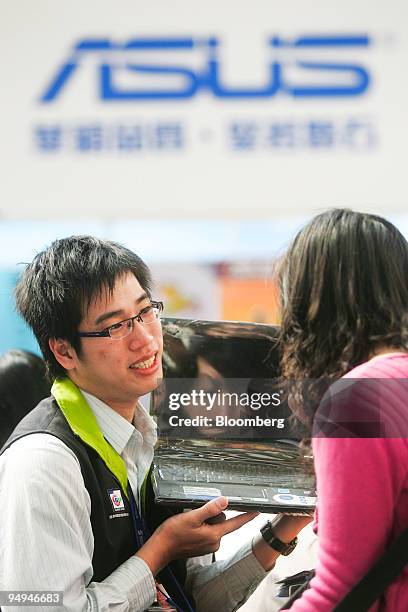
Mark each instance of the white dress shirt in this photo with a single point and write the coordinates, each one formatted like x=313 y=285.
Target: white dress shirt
x=46 y=539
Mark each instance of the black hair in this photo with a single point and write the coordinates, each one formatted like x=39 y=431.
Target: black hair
x=57 y=287
x=22 y=386
x=344 y=294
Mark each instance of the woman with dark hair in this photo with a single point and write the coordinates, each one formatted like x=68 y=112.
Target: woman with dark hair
x=344 y=296
x=22 y=387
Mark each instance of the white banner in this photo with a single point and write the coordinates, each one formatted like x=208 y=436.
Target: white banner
x=219 y=109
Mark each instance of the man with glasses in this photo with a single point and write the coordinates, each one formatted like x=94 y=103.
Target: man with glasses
x=77 y=515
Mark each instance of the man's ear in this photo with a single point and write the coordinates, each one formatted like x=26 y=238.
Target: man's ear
x=64 y=353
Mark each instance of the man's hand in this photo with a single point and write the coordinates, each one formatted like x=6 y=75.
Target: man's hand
x=191 y=534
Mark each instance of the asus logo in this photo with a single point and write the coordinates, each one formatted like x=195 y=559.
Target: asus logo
x=287 y=72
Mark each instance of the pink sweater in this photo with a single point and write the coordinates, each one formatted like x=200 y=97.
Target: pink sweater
x=362 y=487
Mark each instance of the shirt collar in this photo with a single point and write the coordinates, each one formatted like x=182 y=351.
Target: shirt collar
x=116 y=429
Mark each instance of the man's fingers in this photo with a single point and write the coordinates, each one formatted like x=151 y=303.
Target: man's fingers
x=220 y=518
x=237 y=521
x=210 y=509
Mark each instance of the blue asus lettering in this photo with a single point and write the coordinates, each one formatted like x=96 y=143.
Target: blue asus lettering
x=184 y=82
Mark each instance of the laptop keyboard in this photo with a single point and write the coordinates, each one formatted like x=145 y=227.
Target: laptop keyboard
x=215 y=472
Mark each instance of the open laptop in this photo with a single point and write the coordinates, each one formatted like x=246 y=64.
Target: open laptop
x=224 y=424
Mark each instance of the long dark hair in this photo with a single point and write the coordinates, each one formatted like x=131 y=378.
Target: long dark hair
x=344 y=294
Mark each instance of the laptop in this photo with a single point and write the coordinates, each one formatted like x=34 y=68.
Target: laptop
x=224 y=424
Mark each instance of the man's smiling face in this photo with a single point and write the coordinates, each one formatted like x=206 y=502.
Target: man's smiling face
x=119 y=371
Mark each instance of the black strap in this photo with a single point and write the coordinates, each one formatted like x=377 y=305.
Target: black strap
x=142 y=534
x=378 y=578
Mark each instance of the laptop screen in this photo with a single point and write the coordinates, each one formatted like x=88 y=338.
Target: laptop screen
x=221 y=379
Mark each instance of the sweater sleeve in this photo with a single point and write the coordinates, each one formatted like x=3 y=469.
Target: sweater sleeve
x=358 y=483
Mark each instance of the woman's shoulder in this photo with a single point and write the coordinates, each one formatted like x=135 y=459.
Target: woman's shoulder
x=369 y=402
x=385 y=365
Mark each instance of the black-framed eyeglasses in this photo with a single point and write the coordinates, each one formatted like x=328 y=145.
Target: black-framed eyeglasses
x=120 y=330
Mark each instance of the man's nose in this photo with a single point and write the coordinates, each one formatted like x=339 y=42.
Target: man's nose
x=140 y=336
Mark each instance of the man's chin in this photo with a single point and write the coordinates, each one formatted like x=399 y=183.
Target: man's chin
x=150 y=383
